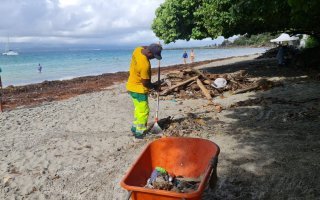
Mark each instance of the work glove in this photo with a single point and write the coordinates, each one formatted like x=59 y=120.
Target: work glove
x=155 y=87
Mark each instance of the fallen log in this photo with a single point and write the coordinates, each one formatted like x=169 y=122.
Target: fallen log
x=204 y=90
x=167 y=91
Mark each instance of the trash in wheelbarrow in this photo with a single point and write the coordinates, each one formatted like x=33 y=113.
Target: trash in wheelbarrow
x=190 y=158
x=160 y=179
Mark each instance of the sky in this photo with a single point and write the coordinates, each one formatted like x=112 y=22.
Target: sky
x=82 y=22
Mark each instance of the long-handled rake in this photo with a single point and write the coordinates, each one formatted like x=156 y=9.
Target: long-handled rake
x=156 y=129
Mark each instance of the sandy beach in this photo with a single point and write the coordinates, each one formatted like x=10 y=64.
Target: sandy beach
x=79 y=146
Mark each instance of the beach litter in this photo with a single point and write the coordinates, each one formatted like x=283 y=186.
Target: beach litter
x=219 y=83
x=160 y=179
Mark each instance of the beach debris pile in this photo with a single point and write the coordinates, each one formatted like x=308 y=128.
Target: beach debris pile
x=193 y=83
x=160 y=179
x=189 y=125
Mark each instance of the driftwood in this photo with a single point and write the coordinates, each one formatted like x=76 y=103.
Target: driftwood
x=246 y=89
x=236 y=76
x=194 y=83
x=168 y=82
x=206 y=82
x=167 y=91
x=175 y=75
x=263 y=83
x=204 y=90
x=203 y=76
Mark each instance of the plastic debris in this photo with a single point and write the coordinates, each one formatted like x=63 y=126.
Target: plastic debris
x=160 y=179
x=219 y=83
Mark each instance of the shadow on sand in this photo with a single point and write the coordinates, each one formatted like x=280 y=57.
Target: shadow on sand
x=277 y=138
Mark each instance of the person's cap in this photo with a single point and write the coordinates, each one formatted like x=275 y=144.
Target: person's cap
x=155 y=50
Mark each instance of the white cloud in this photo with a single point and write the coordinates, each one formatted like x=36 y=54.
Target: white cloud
x=140 y=36
x=78 y=21
x=66 y=3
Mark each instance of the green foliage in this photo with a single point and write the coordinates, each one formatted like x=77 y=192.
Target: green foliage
x=214 y=17
x=225 y=43
x=305 y=16
x=254 y=40
x=175 y=20
x=312 y=42
x=186 y=19
x=258 y=16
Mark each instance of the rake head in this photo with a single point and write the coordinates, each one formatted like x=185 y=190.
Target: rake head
x=156 y=129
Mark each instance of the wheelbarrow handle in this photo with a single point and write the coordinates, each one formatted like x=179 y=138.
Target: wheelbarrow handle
x=129 y=195
x=213 y=176
x=214 y=162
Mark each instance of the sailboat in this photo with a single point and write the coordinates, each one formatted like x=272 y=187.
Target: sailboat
x=8 y=52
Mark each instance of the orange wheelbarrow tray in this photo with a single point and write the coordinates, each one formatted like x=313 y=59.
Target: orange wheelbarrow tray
x=181 y=156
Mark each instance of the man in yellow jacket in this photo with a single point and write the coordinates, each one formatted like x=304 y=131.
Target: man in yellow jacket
x=139 y=84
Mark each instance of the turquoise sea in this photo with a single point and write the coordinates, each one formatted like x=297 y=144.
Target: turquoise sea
x=67 y=64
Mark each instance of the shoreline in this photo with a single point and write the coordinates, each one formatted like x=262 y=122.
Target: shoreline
x=67 y=65
x=220 y=47
x=47 y=91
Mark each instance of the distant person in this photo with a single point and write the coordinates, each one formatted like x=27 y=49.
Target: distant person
x=185 y=56
x=0 y=79
x=280 y=56
x=39 y=68
x=139 y=84
x=192 y=56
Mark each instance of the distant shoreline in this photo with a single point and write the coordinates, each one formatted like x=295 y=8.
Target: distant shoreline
x=47 y=91
x=217 y=47
x=22 y=70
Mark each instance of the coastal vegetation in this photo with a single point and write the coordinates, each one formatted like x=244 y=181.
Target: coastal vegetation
x=258 y=40
x=188 y=19
x=312 y=42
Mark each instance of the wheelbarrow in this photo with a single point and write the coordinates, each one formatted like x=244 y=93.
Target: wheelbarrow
x=181 y=156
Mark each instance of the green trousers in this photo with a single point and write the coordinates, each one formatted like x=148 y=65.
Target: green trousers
x=141 y=111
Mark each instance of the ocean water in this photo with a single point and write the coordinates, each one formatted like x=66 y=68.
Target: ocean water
x=61 y=65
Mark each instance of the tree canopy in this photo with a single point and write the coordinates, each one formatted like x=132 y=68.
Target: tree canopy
x=190 y=19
